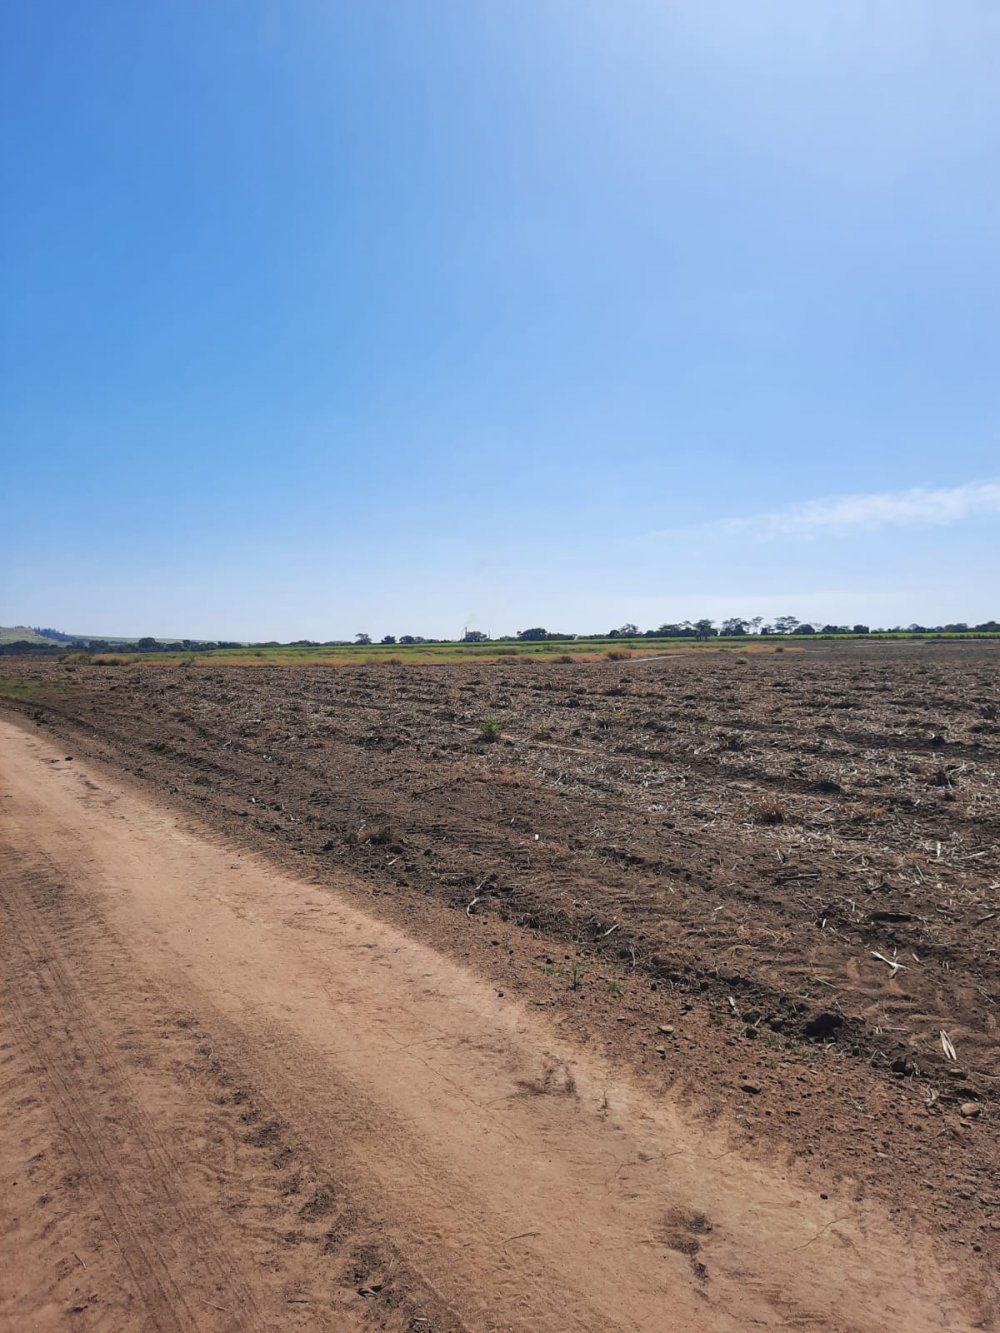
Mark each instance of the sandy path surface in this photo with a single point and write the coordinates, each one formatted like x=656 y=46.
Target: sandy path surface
x=232 y=1101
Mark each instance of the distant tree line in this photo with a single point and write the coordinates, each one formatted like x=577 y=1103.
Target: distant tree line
x=733 y=627
x=738 y=627
x=56 y=634
x=58 y=647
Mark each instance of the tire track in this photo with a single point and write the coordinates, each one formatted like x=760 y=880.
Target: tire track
x=52 y=1017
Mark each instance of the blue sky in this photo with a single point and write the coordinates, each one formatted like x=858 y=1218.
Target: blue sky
x=400 y=317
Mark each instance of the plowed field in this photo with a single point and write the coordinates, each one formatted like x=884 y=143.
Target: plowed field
x=763 y=890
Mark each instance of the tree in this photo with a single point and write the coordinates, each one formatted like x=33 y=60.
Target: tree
x=804 y=628
x=704 y=629
x=755 y=624
x=735 y=627
x=785 y=624
x=533 y=635
x=389 y=638
x=475 y=636
x=626 y=631
x=362 y=638
x=407 y=638
x=147 y=645
x=861 y=629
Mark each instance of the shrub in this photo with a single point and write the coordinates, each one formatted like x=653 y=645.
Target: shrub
x=490 y=728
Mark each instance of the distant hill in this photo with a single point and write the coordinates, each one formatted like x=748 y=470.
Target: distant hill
x=54 y=637
x=21 y=634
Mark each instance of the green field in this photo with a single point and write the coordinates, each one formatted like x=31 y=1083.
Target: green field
x=500 y=651
x=116 y=650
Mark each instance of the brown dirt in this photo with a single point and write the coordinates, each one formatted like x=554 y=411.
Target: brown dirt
x=684 y=865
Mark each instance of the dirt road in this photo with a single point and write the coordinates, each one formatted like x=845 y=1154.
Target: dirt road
x=231 y=1100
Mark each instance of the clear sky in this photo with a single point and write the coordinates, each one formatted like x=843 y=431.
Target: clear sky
x=402 y=316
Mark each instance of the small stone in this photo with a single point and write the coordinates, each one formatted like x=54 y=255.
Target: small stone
x=666 y=1029
x=753 y=1088
x=970 y=1109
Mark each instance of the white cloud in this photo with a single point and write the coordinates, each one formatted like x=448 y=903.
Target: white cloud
x=840 y=515
x=886 y=509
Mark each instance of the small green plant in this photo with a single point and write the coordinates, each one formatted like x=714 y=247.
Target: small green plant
x=490 y=728
x=616 y=988
x=575 y=977
x=542 y=733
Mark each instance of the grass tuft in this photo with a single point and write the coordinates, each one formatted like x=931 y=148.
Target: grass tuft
x=490 y=728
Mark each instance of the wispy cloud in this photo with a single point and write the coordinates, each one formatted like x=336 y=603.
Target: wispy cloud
x=884 y=509
x=843 y=514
